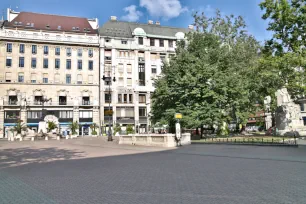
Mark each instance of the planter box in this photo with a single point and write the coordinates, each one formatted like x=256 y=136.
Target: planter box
x=158 y=140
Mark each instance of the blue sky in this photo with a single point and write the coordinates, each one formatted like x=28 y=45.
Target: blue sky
x=168 y=12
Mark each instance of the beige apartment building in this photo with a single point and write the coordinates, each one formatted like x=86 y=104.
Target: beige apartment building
x=49 y=65
x=133 y=54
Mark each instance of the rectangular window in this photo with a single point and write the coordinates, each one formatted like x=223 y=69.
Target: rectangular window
x=119 y=98
x=46 y=50
x=34 y=114
x=20 y=77
x=68 y=51
x=120 y=81
x=152 y=42
x=34 y=49
x=90 y=52
x=153 y=69
x=33 y=62
x=131 y=98
x=21 y=61
x=125 y=98
x=124 y=42
x=33 y=78
x=79 y=79
x=79 y=64
x=11 y=114
x=141 y=72
x=45 y=64
x=9 y=47
x=90 y=79
x=68 y=64
x=21 y=48
x=57 y=63
x=45 y=78
x=8 y=61
x=57 y=78
x=68 y=78
x=170 y=43
x=8 y=77
x=90 y=65
x=85 y=100
x=62 y=100
x=142 y=111
x=142 y=98
x=108 y=98
x=80 y=52
x=13 y=100
x=129 y=81
x=38 y=100
x=129 y=68
x=58 y=51
x=140 y=41
x=161 y=43
x=85 y=114
x=66 y=114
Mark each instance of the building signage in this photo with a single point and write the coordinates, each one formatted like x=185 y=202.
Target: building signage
x=178 y=116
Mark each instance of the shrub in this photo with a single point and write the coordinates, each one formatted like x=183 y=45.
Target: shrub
x=74 y=126
x=129 y=129
x=117 y=128
x=51 y=126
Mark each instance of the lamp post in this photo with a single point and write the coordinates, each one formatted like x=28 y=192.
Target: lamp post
x=109 y=79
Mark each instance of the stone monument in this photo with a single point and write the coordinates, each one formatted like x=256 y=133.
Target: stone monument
x=288 y=115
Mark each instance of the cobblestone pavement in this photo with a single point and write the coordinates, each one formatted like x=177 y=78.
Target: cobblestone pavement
x=94 y=171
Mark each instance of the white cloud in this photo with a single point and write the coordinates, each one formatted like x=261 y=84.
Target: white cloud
x=132 y=13
x=163 y=8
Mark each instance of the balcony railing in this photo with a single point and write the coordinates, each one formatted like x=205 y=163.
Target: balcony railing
x=86 y=103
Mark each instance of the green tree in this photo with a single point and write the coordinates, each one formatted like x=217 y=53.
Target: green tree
x=19 y=127
x=283 y=60
x=129 y=129
x=117 y=128
x=51 y=126
x=94 y=126
x=210 y=80
x=74 y=126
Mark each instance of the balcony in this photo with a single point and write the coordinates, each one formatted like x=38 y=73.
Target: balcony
x=141 y=59
x=62 y=103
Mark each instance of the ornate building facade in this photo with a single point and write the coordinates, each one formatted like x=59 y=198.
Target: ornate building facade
x=49 y=65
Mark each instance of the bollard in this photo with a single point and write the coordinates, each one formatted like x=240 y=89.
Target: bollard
x=32 y=139
x=46 y=138
x=58 y=138
x=20 y=139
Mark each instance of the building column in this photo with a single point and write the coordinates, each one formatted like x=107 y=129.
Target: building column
x=23 y=116
x=1 y=122
x=95 y=117
x=148 y=106
x=136 y=110
x=76 y=114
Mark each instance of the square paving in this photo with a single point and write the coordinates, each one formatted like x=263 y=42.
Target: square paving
x=90 y=170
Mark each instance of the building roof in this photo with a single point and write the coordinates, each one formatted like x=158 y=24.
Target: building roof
x=125 y=29
x=37 y=21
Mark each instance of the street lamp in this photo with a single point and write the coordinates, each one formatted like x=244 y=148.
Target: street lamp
x=108 y=80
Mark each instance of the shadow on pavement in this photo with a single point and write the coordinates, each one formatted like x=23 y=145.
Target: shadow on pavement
x=21 y=156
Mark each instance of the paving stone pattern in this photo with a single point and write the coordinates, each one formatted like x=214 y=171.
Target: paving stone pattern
x=192 y=174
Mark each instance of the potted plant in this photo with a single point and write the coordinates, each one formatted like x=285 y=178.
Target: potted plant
x=74 y=126
x=130 y=130
x=94 y=127
x=117 y=128
x=20 y=128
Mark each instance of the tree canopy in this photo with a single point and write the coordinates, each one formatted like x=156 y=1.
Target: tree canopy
x=211 y=79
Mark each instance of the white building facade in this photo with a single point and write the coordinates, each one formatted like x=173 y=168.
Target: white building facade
x=133 y=55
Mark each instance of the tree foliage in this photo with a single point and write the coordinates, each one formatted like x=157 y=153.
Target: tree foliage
x=211 y=78
x=283 y=60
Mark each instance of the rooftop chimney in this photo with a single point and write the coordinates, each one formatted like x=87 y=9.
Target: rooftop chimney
x=190 y=27
x=150 y=22
x=113 y=18
x=157 y=23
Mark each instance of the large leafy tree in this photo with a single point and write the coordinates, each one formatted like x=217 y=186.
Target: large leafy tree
x=283 y=61
x=211 y=78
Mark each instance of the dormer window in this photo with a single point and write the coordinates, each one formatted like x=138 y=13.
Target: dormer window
x=47 y=26
x=73 y=28
x=32 y=24
x=20 y=23
x=59 y=27
x=16 y=23
x=77 y=28
x=28 y=24
x=84 y=29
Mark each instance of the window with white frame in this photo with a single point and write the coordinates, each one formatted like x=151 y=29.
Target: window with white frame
x=85 y=114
